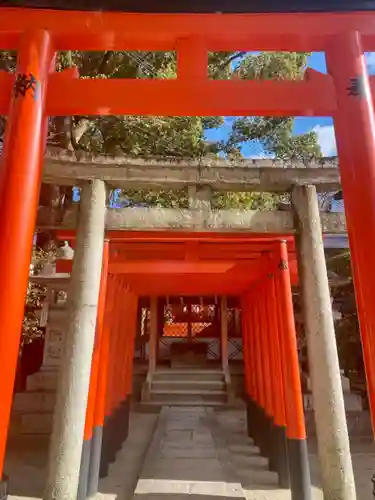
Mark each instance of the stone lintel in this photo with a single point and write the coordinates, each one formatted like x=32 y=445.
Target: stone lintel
x=238 y=179
x=72 y=168
x=256 y=221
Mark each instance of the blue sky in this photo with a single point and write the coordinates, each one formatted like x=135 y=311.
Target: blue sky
x=322 y=125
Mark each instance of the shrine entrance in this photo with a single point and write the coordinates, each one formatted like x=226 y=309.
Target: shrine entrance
x=189 y=331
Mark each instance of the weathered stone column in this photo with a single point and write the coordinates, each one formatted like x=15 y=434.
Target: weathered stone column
x=154 y=341
x=331 y=427
x=200 y=197
x=74 y=378
x=225 y=347
x=237 y=321
x=224 y=333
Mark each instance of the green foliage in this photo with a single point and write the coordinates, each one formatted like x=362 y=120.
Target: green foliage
x=185 y=136
x=272 y=66
x=34 y=301
x=180 y=137
x=250 y=201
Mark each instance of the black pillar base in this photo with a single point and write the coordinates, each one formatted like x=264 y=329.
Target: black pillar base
x=110 y=442
x=95 y=457
x=266 y=445
x=250 y=416
x=4 y=487
x=299 y=469
x=84 y=470
x=124 y=420
x=113 y=436
x=258 y=424
x=115 y=432
x=104 y=469
x=104 y=460
x=262 y=430
x=279 y=457
x=120 y=426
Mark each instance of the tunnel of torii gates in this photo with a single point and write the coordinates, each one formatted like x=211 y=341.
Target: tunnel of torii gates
x=36 y=91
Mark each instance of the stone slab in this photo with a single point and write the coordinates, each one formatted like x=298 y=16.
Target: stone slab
x=54 y=346
x=36 y=423
x=64 y=167
x=44 y=380
x=186 y=487
x=34 y=402
x=231 y=220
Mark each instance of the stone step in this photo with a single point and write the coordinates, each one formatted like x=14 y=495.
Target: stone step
x=27 y=442
x=45 y=380
x=251 y=477
x=196 y=397
x=34 y=423
x=244 y=449
x=188 y=385
x=240 y=440
x=186 y=375
x=155 y=406
x=26 y=402
x=250 y=461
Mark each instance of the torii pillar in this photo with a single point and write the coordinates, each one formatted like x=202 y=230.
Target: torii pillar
x=355 y=136
x=20 y=179
x=74 y=377
x=328 y=399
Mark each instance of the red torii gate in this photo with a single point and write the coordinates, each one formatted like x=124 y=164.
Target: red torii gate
x=28 y=97
x=166 y=263
x=258 y=269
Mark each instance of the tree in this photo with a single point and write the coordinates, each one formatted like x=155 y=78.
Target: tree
x=174 y=137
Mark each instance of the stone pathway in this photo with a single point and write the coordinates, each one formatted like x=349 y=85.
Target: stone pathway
x=183 y=460
x=196 y=451
x=123 y=474
x=363 y=455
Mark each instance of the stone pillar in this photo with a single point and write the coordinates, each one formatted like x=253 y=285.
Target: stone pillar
x=56 y=324
x=224 y=333
x=74 y=377
x=225 y=348
x=237 y=321
x=200 y=197
x=154 y=341
x=331 y=427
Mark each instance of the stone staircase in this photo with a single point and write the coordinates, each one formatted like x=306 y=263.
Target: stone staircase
x=187 y=387
x=241 y=455
x=32 y=413
x=32 y=410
